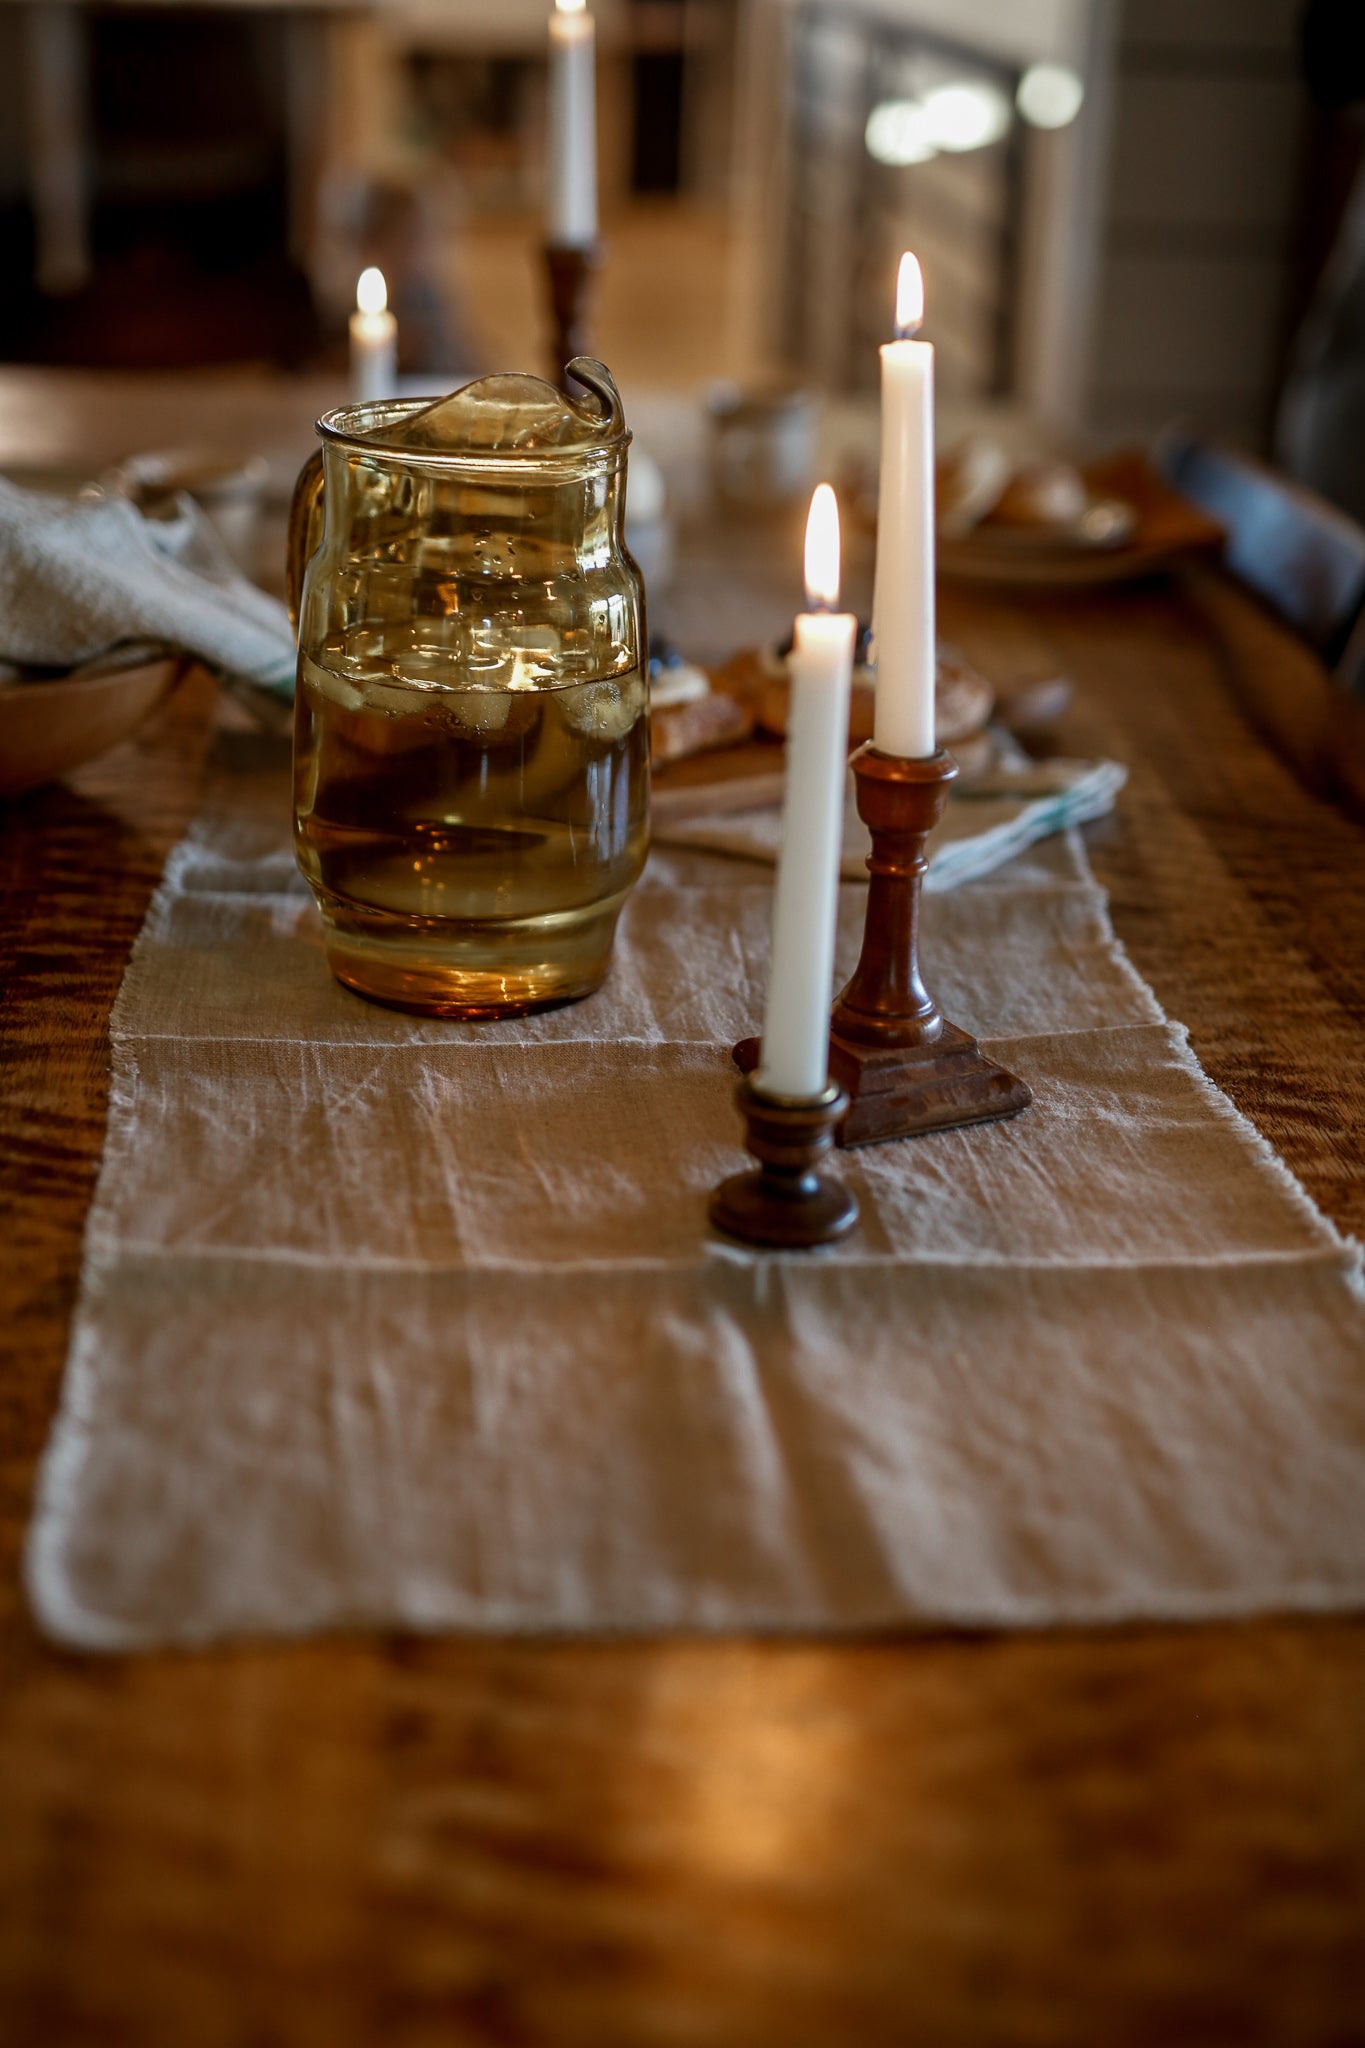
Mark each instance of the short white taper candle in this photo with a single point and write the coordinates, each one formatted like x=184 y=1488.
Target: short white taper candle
x=794 y=1060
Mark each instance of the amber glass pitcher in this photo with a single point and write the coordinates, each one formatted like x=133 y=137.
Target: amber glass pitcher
x=471 y=741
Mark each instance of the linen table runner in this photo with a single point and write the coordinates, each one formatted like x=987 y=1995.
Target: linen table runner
x=393 y=1321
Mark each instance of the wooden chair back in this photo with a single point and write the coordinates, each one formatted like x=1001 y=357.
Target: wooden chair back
x=1298 y=553
x=1305 y=561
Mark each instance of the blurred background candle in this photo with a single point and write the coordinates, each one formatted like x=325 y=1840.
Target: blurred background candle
x=903 y=607
x=795 y=1055
x=374 y=340
x=571 y=214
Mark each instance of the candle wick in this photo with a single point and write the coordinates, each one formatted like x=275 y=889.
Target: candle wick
x=909 y=332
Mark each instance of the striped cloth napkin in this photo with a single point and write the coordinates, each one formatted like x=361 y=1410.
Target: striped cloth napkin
x=988 y=820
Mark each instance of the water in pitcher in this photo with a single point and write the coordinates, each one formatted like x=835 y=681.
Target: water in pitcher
x=470 y=848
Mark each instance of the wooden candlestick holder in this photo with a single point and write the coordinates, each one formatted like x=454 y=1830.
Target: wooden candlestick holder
x=906 y=1069
x=572 y=274
x=786 y=1203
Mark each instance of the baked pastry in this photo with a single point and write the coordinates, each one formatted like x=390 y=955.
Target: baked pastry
x=963 y=699
x=675 y=682
x=695 y=727
x=968 y=484
x=1043 y=494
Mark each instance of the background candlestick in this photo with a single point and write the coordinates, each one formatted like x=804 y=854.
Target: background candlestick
x=571 y=208
x=374 y=340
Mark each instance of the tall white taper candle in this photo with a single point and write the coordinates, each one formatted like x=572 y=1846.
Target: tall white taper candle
x=374 y=340
x=903 y=603
x=795 y=1056
x=571 y=208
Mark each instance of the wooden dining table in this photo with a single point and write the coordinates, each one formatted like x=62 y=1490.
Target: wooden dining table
x=1141 y=1835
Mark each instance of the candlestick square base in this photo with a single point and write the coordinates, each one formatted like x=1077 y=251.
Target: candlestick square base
x=898 y=1093
x=902 y=1092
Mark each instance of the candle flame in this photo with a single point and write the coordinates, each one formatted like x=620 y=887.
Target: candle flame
x=909 y=296
x=371 y=292
x=569 y=6
x=822 y=550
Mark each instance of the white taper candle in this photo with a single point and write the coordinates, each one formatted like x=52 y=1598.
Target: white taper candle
x=795 y=1054
x=374 y=340
x=571 y=205
x=903 y=604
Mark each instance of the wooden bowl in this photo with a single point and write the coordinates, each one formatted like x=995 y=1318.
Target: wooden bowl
x=47 y=728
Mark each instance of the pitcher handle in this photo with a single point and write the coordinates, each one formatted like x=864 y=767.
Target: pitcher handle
x=305 y=530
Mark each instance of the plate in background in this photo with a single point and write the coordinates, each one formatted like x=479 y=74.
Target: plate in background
x=1167 y=526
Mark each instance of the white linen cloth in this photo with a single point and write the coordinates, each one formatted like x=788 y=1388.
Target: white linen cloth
x=387 y=1321
x=79 y=577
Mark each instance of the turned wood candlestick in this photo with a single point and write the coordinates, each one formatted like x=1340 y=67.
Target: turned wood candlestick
x=786 y=1202
x=906 y=1069
x=572 y=274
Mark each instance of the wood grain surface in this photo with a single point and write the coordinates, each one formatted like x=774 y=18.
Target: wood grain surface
x=1130 y=1837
